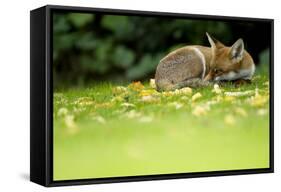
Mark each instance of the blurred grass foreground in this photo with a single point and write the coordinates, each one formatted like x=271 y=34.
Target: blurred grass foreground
x=109 y=130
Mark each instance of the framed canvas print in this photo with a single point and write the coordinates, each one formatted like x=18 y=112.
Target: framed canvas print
x=124 y=95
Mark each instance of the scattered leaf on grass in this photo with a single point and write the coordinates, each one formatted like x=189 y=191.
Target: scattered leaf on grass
x=104 y=105
x=218 y=98
x=152 y=83
x=262 y=112
x=196 y=96
x=62 y=112
x=119 y=90
x=145 y=119
x=229 y=120
x=132 y=114
x=177 y=105
x=79 y=109
x=199 y=110
x=148 y=92
x=229 y=98
x=258 y=100
x=184 y=98
x=217 y=89
x=82 y=101
x=149 y=99
x=99 y=119
x=185 y=91
x=128 y=105
x=70 y=124
x=239 y=93
x=136 y=86
x=117 y=99
x=168 y=93
x=241 y=111
x=266 y=83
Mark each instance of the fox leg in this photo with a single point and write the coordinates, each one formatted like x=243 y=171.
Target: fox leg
x=239 y=82
x=193 y=83
x=166 y=85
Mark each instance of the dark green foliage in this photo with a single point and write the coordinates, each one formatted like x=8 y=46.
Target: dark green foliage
x=89 y=47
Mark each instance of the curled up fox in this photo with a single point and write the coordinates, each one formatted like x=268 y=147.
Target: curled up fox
x=195 y=65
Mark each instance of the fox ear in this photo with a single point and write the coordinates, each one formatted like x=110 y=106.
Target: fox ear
x=215 y=44
x=237 y=51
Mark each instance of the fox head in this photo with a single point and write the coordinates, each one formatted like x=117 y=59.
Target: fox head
x=229 y=63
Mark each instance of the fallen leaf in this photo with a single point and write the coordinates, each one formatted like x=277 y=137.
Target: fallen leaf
x=229 y=120
x=196 y=96
x=239 y=93
x=128 y=105
x=262 y=112
x=145 y=119
x=70 y=124
x=149 y=99
x=62 y=111
x=199 y=111
x=176 y=105
x=152 y=83
x=119 y=90
x=148 y=92
x=117 y=99
x=185 y=91
x=266 y=83
x=104 y=105
x=168 y=93
x=229 y=98
x=99 y=119
x=217 y=89
x=83 y=101
x=241 y=111
x=136 y=86
x=132 y=114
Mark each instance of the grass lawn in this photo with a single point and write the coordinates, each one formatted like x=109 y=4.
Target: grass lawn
x=109 y=130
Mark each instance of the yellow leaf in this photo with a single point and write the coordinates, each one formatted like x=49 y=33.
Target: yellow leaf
x=99 y=119
x=145 y=119
x=196 y=96
x=128 y=105
x=229 y=120
x=148 y=92
x=217 y=89
x=239 y=93
x=176 y=105
x=185 y=90
x=83 y=101
x=199 y=111
x=136 y=86
x=70 y=124
x=241 y=111
x=119 y=90
x=229 y=98
x=149 y=99
x=152 y=83
x=262 y=112
x=62 y=111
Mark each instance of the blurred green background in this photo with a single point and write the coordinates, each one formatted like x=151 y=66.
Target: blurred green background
x=96 y=47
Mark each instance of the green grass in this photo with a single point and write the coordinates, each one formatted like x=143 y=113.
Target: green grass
x=95 y=135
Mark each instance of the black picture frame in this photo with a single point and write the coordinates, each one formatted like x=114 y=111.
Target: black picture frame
x=41 y=97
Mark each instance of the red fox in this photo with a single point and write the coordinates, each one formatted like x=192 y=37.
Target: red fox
x=192 y=65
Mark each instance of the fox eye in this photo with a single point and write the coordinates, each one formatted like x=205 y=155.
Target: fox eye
x=217 y=71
